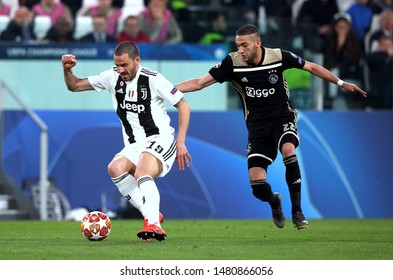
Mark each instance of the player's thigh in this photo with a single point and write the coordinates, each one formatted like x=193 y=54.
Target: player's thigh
x=261 y=152
x=163 y=148
x=286 y=132
x=124 y=161
x=148 y=164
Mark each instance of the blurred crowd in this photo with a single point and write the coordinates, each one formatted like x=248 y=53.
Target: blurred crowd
x=354 y=37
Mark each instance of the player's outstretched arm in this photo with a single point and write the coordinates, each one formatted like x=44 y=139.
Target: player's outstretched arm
x=182 y=154
x=196 y=83
x=325 y=74
x=73 y=83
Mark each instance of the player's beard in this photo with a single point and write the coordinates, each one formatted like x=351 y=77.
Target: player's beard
x=131 y=74
x=251 y=56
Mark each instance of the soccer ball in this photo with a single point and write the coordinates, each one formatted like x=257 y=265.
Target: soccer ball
x=96 y=226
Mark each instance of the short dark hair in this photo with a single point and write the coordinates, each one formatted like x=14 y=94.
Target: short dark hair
x=248 y=29
x=129 y=48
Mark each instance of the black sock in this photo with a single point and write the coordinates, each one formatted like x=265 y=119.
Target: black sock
x=263 y=191
x=293 y=179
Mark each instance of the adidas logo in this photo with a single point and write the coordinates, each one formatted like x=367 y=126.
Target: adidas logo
x=244 y=79
x=298 y=181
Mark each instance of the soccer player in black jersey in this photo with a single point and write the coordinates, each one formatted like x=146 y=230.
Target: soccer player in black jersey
x=256 y=72
x=150 y=148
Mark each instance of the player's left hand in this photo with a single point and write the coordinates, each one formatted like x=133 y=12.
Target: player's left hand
x=352 y=88
x=182 y=156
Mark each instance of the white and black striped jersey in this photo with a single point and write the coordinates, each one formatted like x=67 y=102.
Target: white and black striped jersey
x=262 y=88
x=139 y=103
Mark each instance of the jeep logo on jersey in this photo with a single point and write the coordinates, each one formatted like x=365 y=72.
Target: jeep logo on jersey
x=132 y=107
x=252 y=92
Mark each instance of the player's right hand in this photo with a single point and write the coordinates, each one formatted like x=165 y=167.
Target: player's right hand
x=68 y=61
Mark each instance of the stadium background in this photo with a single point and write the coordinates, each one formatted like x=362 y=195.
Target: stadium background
x=345 y=165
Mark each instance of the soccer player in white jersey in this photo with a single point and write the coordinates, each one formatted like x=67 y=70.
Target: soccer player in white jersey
x=138 y=96
x=256 y=72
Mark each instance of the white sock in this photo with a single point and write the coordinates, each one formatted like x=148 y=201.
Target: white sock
x=128 y=187
x=152 y=198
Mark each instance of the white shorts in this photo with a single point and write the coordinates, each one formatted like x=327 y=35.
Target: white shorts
x=162 y=147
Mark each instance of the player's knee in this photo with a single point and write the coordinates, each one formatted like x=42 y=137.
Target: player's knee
x=261 y=189
x=113 y=169
x=117 y=167
x=288 y=144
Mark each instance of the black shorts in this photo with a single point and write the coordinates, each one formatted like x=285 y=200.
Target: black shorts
x=262 y=149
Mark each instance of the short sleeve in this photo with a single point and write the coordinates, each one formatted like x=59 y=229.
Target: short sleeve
x=167 y=90
x=291 y=60
x=102 y=80
x=222 y=71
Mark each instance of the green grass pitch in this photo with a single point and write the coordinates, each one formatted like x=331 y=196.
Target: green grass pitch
x=326 y=239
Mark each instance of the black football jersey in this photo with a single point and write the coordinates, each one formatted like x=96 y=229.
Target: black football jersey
x=262 y=88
